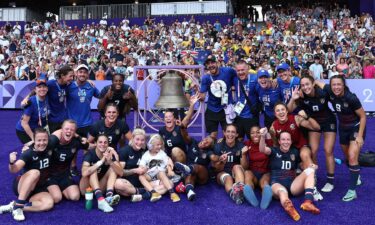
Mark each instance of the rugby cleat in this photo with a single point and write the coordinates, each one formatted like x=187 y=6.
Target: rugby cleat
x=236 y=193
x=7 y=208
x=249 y=195
x=317 y=195
x=191 y=195
x=18 y=214
x=113 y=200
x=155 y=197
x=136 y=198
x=328 y=187
x=308 y=206
x=104 y=206
x=180 y=188
x=175 y=197
x=292 y=212
x=349 y=196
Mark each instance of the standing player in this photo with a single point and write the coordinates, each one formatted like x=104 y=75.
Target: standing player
x=286 y=81
x=226 y=159
x=100 y=169
x=79 y=98
x=111 y=126
x=352 y=127
x=283 y=163
x=65 y=146
x=217 y=83
x=172 y=134
x=268 y=96
x=120 y=94
x=35 y=113
x=315 y=103
x=30 y=187
x=244 y=85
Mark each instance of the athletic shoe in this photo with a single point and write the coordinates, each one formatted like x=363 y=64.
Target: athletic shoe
x=191 y=195
x=180 y=188
x=359 y=181
x=237 y=193
x=7 y=208
x=104 y=206
x=317 y=195
x=184 y=169
x=113 y=200
x=155 y=197
x=308 y=206
x=18 y=214
x=74 y=172
x=328 y=187
x=292 y=212
x=266 y=197
x=175 y=197
x=136 y=198
x=249 y=195
x=349 y=196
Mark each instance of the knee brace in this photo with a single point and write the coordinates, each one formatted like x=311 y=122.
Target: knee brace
x=282 y=189
x=222 y=177
x=308 y=171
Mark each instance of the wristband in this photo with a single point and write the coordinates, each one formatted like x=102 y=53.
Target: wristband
x=99 y=163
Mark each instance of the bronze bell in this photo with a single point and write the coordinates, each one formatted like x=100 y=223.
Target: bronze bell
x=171 y=92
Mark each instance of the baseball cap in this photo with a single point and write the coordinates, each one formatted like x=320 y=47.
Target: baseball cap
x=263 y=73
x=41 y=80
x=209 y=60
x=282 y=66
x=82 y=66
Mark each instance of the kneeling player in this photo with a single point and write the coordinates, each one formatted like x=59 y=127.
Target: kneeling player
x=226 y=159
x=284 y=162
x=100 y=169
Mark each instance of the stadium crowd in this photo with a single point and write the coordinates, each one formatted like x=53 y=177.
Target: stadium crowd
x=296 y=46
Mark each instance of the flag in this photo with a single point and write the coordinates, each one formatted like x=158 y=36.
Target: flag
x=202 y=56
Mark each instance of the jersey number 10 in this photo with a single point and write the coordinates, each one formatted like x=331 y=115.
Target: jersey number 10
x=286 y=165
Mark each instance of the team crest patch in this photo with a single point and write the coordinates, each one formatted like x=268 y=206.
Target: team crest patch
x=117 y=131
x=322 y=100
x=333 y=126
x=355 y=135
x=292 y=157
x=174 y=133
x=74 y=150
x=204 y=155
x=346 y=105
x=292 y=126
x=50 y=152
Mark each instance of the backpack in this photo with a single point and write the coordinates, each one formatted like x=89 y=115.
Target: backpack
x=367 y=159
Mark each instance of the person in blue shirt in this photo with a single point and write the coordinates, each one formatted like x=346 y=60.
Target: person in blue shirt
x=286 y=81
x=79 y=98
x=35 y=113
x=245 y=85
x=216 y=102
x=268 y=96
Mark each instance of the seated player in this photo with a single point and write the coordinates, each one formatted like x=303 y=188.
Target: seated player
x=155 y=164
x=257 y=172
x=100 y=169
x=65 y=145
x=226 y=159
x=195 y=171
x=30 y=186
x=283 y=163
x=128 y=184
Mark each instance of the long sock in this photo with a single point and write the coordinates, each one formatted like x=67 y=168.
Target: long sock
x=98 y=194
x=354 y=173
x=191 y=169
x=330 y=178
x=109 y=193
x=189 y=187
x=19 y=204
x=309 y=194
x=140 y=190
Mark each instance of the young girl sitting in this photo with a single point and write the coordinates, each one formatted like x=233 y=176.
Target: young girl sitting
x=156 y=165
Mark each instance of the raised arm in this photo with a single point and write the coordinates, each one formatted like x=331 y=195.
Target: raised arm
x=292 y=105
x=15 y=165
x=262 y=143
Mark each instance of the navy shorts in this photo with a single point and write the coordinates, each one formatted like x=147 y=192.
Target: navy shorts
x=348 y=135
x=258 y=175
x=286 y=182
x=330 y=125
x=39 y=187
x=63 y=181
x=212 y=120
x=134 y=180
